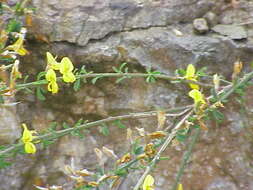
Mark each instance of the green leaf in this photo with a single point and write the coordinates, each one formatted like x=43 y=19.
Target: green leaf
x=77 y=85
x=122 y=66
x=180 y=137
x=7 y=60
x=150 y=79
x=120 y=79
x=46 y=143
x=115 y=69
x=13 y=26
x=119 y=124
x=202 y=72
x=180 y=72
x=104 y=130
x=94 y=80
x=77 y=133
x=39 y=94
x=25 y=78
x=164 y=158
x=65 y=125
x=53 y=125
x=138 y=150
x=29 y=91
x=219 y=117
x=121 y=172
x=196 y=126
x=4 y=164
x=41 y=74
x=79 y=122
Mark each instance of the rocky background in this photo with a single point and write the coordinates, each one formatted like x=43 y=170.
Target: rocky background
x=162 y=34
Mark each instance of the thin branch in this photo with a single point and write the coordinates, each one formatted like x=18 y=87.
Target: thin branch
x=186 y=157
x=102 y=75
x=60 y=133
x=164 y=146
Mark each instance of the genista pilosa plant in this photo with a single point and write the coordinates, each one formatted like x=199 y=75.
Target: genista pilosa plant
x=146 y=147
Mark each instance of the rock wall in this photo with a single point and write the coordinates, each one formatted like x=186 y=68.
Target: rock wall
x=143 y=33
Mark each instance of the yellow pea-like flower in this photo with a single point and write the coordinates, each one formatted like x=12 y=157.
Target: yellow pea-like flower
x=148 y=183
x=51 y=78
x=27 y=139
x=53 y=87
x=69 y=77
x=18 y=47
x=51 y=75
x=180 y=186
x=66 y=68
x=197 y=96
x=52 y=63
x=27 y=134
x=190 y=72
x=30 y=148
x=190 y=75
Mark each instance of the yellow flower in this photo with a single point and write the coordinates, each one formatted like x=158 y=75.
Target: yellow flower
x=66 y=68
x=18 y=47
x=30 y=148
x=52 y=63
x=180 y=186
x=51 y=78
x=148 y=183
x=27 y=139
x=197 y=96
x=190 y=75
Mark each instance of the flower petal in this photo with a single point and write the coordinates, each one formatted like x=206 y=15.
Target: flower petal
x=27 y=135
x=52 y=62
x=190 y=72
x=180 y=186
x=66 y=65
x=194 y=86
x=197 y=96
x=30 y=148
x=53 y=87
x=69 y=77
x=50 y=75
x=148 y=183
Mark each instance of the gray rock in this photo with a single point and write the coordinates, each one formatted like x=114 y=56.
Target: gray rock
x=81 y=21
x=200 y=25
x=232 y=31
x=221 y=184
x=9 y=126
x=211 y=18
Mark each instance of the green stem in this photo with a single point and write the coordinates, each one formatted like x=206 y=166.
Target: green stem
x=102 y=75
x=60 y=133
x=186 y=157
x=241 y=82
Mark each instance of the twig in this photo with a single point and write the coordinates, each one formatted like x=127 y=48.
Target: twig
x=60 y=133
x=186 y=157
x=241 y=82
x=164 y=146
x=94 y=75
